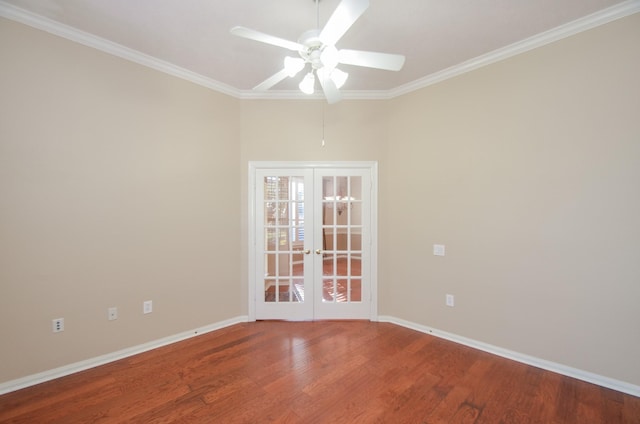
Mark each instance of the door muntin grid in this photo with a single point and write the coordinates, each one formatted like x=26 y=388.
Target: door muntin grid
x=284 y=238
x=312 y=243
x=342 y=227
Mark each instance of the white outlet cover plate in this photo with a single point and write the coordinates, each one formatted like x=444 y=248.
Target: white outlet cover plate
x=112 y=313
x=438 y=249
x=58 y=325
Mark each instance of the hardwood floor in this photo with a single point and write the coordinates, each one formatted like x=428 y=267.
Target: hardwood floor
x=317 y=372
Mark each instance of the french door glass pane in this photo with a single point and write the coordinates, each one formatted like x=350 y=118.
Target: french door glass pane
x=356 y=290
x=283 y=290
x=328 y=289
x=328 y=264
x=297 y=264
x=356 y=267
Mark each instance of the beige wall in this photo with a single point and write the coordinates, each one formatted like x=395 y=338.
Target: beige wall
x=529 y=172
x=118 y=184
x=292 y=131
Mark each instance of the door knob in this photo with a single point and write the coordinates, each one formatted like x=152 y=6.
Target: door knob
x=318 y=251
x=307 y=251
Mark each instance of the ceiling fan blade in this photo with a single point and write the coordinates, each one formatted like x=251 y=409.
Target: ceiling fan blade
x=265 y=38
x=330 y=90
x=347 y=12
x=387 y=61
x=272 y=80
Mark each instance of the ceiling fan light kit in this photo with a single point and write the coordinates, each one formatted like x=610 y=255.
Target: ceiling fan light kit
x=317 y=49
x=307 y=83
x=336 y=75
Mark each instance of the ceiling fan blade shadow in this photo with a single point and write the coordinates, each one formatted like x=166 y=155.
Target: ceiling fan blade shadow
x=331 y=92
x=272 y=80
x=347 y=12
x=386 y=61
x=265 y=38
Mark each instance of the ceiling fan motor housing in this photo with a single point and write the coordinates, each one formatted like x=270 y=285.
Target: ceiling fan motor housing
x=313 y=47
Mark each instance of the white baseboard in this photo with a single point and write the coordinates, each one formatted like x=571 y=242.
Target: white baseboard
x=589 y=377
x=34 y=379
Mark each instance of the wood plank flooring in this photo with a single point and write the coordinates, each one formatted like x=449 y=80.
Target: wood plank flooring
x=317 y=372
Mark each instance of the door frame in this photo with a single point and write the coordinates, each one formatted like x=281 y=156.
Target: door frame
x=371 y=166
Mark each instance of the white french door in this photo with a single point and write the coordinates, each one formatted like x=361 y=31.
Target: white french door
x=311 y=241
x=284 y=263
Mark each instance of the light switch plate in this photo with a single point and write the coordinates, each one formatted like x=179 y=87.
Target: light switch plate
x=147 y=307
x=449 y=300
x=438 y=249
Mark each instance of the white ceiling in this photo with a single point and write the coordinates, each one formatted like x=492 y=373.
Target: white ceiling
x=434 y=35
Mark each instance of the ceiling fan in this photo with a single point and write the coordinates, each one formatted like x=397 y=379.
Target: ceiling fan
x=317 y=52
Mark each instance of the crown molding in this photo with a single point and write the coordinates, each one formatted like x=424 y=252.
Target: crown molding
x=298 y=95
x=602 y=17
x=277 y=95
x=56 y=28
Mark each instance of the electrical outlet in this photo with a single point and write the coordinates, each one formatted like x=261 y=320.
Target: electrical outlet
x=147 y=307
x=438 y=249
x=449 y=300
x=112 y=313
x=58 y=325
